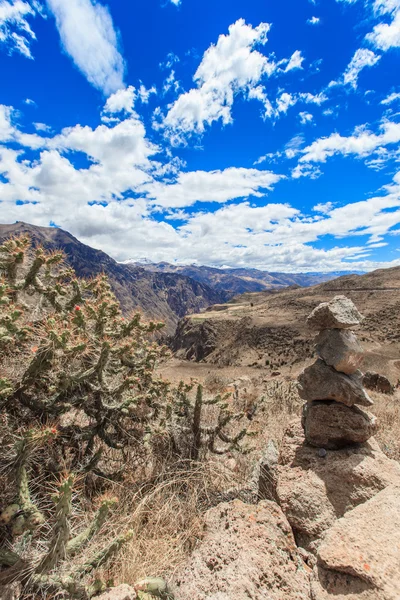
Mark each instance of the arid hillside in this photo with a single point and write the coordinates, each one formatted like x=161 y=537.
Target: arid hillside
x=268 y=330
x=164 y=296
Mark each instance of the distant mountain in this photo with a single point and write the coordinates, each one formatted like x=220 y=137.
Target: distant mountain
x=238 y=281
x=164 y=296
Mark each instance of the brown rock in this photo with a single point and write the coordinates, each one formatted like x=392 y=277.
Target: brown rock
x=340 y=349
x=121 y=592
x=339 y=313
x=365 y=543
x=332 y=425
x=321 y=382
x=247 y=552
x=331 y=585
x=314 y=492
x=377 y=382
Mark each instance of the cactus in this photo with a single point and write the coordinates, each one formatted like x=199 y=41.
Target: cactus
x=49 y=573
x=78 y=352
x=206 y=438
x=67 y=349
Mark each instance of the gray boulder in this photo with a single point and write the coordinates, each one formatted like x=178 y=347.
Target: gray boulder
x=332 y=425
x=322 y=382
x=340 y=349
x=339 y=313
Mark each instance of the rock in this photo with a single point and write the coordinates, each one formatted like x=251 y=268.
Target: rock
x=339 y=313
x=365 y=543
x=332 y=425
x=340 y=349
x=322 y=382
x=377 y=382
x=331 y=585
x=268 y=473
x=247 y=552
x=121 y=592
x=313 y=492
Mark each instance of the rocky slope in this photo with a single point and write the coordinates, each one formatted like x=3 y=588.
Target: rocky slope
x=268 y=329
x=239 y=281
x=165 y=296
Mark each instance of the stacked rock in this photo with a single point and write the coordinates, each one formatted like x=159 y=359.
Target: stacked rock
x=333 y=385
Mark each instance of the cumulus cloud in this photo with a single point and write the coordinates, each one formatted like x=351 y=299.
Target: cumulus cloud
x=212 y=186
x=313 y=21
x=122 y=100
x=230 y=66
x=305 y=117
x=361 y=144
x=386 y=35
x=89 y=38
x=15 y=32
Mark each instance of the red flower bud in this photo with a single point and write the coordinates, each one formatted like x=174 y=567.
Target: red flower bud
x=77 y=307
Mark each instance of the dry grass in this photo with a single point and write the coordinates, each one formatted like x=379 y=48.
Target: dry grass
x=166 y=517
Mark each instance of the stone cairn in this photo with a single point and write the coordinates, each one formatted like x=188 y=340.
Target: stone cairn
x=333 y=385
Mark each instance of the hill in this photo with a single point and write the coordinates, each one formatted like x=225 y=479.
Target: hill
x=269 y=329
x=165 y=296
x=238 y=281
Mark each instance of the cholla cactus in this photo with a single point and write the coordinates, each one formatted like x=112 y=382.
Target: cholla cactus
x=53 y=572
x=75 y=352
x=78 y=392
x=214 y=438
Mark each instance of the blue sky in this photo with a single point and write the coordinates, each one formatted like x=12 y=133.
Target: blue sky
x=260 y=133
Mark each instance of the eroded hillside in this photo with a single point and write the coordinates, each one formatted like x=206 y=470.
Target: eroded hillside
x=269 y=329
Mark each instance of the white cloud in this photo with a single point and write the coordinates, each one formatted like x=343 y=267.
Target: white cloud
x=15 y=31
x=362 y=58
x=230 y=66
x=88 y=36
x=116 y=201
x=122 y=100
x=6 y=128
x=391 y=98
x=305 y=117
x=145 y=93
x=42 y=127
x=313 y=21
x=295 y=61
x=212 y=186
x=176 y=2
x=324 y=208
x=386 y=35
x=362 y=143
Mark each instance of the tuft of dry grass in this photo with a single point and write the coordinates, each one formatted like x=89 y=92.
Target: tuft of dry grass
x=166 y=516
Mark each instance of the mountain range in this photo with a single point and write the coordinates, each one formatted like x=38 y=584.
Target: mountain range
x=162 y=291
x=237 y=281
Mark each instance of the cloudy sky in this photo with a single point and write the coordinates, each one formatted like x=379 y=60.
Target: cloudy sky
x=223 y=132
